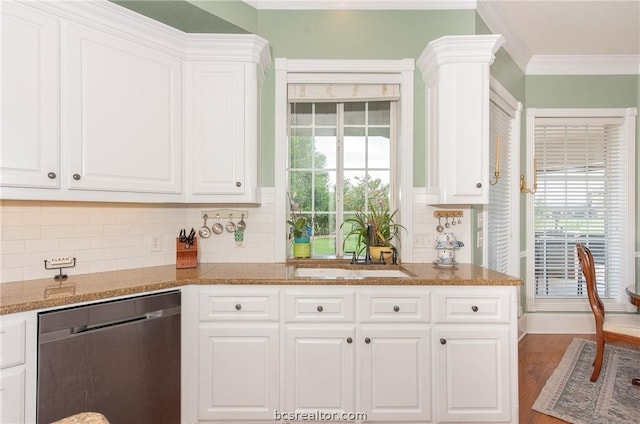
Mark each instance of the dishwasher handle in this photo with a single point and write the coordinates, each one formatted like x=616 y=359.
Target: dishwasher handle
x=80 y=329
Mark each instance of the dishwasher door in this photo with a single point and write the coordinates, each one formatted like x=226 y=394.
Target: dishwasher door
x=120 y=358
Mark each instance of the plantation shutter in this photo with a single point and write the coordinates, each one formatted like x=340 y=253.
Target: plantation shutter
x=499 y=209
x=581 y=197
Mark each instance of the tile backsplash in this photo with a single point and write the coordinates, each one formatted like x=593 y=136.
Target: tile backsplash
x=116 y=236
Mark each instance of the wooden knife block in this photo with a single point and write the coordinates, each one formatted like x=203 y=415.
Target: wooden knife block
x=186 y=257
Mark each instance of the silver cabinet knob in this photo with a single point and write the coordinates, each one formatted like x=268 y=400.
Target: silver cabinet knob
x=367 y=340
x=349 y=340
x=474 y=308
x=320 y=308
x=238 y=307
x=52 y=175
x=479 y=185
x=238 y=183
x=76 y=177
x=443 y=341
x=396 y=308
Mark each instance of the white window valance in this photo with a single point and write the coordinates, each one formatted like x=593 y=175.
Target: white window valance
x=342 y=92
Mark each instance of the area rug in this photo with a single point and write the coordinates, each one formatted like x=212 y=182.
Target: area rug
x=569 y=395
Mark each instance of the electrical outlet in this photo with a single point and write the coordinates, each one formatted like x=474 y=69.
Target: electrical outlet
x=422 y=240
x=156 y=243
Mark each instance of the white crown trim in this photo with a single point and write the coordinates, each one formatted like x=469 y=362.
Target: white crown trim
x=362 y=4
x=493 y=15
x=584 y=65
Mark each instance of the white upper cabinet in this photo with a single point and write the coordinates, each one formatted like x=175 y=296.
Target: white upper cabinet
x=222 y=115
x=122 y=114
x=29 y=156
x=95 y=99
x=456 y=74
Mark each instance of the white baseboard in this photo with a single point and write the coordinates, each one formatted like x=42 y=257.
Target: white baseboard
x=557 y=323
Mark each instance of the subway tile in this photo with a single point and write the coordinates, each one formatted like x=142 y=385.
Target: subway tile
x=20 y=233
x=88 y=230
x=56 y=231
x=12 y=246
x=42 y=245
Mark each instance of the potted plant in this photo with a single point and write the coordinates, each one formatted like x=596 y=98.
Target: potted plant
x=300 y=232
x=383 y=230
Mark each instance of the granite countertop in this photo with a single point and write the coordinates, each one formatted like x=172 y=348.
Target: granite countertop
x=46 y=293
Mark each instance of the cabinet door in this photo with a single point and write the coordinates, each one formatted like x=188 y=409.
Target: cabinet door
x=395 y=371
x=319 y=370
x=122 y=114
x=222 y=119
x=465 y=163
x=472 y=374
x=29 y=148
x=12 y=395
x=238 y=373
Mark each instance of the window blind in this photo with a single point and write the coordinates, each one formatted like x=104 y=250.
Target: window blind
x=499 y=211
x=580 y=198
x=342 y=92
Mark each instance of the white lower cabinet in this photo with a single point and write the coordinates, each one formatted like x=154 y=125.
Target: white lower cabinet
x=473 y=382
x=18 y=368
x=395 y=372
x=475 y=348
x=319 y=369
x=238 y=372
x=387 y=354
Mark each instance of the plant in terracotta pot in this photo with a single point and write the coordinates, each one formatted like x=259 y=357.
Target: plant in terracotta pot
x=378 y=226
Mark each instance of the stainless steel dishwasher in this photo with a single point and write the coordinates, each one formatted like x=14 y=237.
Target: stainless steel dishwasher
x=120 y=358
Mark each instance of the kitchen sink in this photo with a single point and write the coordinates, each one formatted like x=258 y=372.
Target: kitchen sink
x=349 y=273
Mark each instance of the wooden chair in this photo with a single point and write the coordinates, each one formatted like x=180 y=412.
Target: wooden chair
x=609 y=328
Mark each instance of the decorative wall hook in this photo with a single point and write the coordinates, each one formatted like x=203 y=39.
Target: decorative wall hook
x=523 y=183
x=496 y=176
x=523 y=186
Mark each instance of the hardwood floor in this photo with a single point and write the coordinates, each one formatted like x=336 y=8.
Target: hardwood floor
x=538 y=356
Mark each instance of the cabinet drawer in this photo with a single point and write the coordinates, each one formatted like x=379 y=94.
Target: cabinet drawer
x=239 y=306
x=319 y=307
x=396 y=306
x=12 y=343
x=472 y=307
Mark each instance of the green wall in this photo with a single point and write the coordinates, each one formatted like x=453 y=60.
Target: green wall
x=353 y=34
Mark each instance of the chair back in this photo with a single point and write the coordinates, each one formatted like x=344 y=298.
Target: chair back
x=589 y=271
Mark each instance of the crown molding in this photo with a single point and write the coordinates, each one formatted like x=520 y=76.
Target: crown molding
x=458 y=49
x=362 y=4
x=493 y=15
x=584 y=65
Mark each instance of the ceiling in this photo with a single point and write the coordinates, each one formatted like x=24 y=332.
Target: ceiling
x=587 y=34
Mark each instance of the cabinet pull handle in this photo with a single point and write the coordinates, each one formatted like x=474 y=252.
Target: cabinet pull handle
x=238 y=307
x=479 y=185
x=349 y=340
x=52 y=175
x=474 y=308
x=238 y=183
x=320 y=308
x=76 y=177
x=367 y=340
x=443 y=341
x=396 y=308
